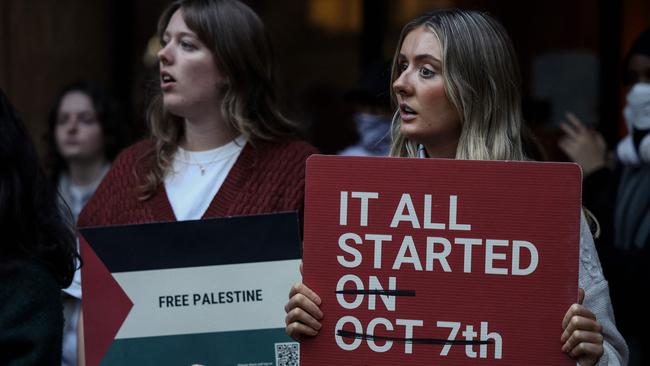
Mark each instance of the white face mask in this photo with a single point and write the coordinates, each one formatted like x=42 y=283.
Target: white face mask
x=635 y=148
x=637 y=110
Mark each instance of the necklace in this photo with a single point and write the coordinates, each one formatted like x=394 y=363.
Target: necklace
x=202 y=165
x=221 y=153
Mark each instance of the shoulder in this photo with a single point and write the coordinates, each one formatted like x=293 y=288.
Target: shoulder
x=296 y=148
x=29 y=291
x=20 y=272
x=118 y=189
x=280 y=158
x=275 y=174
x=134 y=154
x=130 y=159
x=294 y=152
x=301 y=146
x=31 y=314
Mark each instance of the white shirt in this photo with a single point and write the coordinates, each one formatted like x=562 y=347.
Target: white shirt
x=76 y=196
x=196 y=176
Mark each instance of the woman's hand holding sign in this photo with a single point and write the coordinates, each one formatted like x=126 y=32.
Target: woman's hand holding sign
x=303 y=312
x=582 y=337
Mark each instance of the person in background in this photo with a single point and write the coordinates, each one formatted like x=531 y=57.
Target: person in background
x=37 y=251
x=372 y=112
x=219 y=145
x=84 y=136
x=619 y=197
x=455 y=80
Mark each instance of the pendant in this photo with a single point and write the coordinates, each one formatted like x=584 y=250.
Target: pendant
x=202 y=169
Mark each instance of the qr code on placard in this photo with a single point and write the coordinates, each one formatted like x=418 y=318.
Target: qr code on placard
x=287 y=354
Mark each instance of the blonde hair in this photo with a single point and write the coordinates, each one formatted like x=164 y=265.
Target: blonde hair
x=242 y=49
x=482 y=81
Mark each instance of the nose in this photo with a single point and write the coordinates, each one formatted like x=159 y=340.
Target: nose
x=73 y=124
x=69 y=125
x=164 y=55
x=402 y=85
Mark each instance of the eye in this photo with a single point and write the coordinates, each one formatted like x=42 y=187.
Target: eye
x=163 y=42
x=187 y=46
x=87 y=119
x=402 y=66
x=426 y=73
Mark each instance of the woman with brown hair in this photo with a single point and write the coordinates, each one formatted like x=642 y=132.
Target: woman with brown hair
x=219 y=145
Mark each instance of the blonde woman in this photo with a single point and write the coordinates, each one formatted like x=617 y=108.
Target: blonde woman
x=455 y=82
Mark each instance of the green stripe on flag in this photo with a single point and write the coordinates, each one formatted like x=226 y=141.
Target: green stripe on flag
x=241 y=348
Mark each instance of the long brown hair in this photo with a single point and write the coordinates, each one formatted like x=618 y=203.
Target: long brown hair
x=242 y=50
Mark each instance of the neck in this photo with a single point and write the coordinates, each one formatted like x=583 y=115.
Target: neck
x=442 y=150
x=84 y=173
x=207 y=133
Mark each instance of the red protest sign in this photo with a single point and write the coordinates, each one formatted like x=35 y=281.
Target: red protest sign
x=430 y=261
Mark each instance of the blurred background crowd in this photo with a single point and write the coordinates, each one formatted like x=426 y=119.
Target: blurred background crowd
x=571 y=54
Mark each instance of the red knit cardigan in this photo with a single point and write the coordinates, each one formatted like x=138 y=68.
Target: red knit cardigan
x=267 y=177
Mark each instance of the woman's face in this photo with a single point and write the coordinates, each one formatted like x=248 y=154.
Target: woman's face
x=189 y=79
x=77 y=132
x=428 y=117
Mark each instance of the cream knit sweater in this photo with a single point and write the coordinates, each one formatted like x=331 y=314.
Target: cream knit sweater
x=597 y=299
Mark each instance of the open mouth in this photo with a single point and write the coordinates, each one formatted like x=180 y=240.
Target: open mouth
x=406 y=109
x=166 y=78
x=407 y=113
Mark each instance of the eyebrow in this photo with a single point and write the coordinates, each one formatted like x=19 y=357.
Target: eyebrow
x=424 y=57
x=180 y=34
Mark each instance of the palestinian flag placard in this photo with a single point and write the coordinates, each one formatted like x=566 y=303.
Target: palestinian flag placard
x=209 y=292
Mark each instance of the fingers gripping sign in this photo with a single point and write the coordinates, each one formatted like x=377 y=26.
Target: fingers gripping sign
x=303 y=312
x=582 y=337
